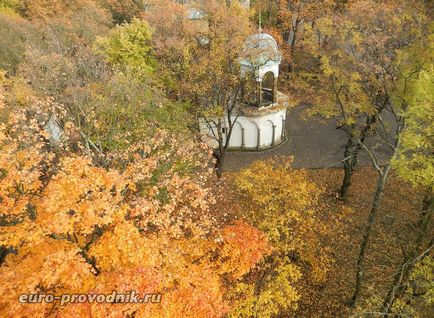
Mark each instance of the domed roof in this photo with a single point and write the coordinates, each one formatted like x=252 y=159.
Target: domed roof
x=260 y=49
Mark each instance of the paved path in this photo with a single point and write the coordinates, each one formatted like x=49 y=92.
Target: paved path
x=314 y=143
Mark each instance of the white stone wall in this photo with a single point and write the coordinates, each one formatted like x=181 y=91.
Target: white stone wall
x=254 y=127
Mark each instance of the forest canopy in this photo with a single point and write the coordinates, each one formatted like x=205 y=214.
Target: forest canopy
x=107 y=184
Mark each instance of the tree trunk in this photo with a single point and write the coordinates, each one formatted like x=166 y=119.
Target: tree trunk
x=348 y=169
x=220 y=158
x=367 y=234
x=3 y=253
x=292 y=44
x=381 y=182
x=351 y=156
x=423 y=225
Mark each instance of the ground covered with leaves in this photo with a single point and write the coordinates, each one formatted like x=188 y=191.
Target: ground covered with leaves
x=344 y=223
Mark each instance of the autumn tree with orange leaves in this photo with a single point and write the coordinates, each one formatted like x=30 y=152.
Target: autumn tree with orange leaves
x=143 y=224
x=105 y=185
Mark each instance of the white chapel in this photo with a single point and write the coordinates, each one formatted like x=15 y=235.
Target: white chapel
x=260 y=115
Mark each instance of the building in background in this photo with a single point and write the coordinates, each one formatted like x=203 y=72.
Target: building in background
x=258 y=120
x=259 y=117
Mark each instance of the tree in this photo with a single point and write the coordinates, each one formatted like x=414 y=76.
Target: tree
x=200 y=61
x=415 y=164
x=142 y=224
x=111 y=95
x=125 y=109
x=280 y=202
x=16 y=31
x=398 y=79
x=119 y=202
x=59 y=62
x=294 y=17
x=291 y=21
x=124 y=11
x=41 y=10
x=356 y=54
x=11 y=6
x=128 y=46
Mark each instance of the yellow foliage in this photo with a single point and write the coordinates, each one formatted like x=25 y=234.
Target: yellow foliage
x=281 y=202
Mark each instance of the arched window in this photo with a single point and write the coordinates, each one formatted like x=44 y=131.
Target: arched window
x=268 y=90
x=268 y=133
x=249 y=90
x=237 y=138
x=251 y=134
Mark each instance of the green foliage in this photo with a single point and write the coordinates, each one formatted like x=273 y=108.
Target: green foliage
x=422 y=279
x=125 y=109
x=415 y=162
x=115 y=105
x=128 y=45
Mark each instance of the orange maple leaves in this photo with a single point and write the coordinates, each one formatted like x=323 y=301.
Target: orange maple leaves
x=143 y=225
